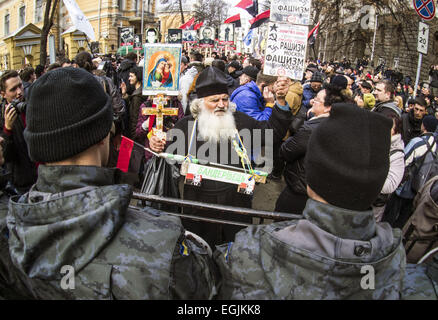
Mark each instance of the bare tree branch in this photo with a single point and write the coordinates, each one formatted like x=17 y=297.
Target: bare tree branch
x=211 y=12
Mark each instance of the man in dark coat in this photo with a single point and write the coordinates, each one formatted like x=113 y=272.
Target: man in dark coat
x=412 y=121
x=217 y=125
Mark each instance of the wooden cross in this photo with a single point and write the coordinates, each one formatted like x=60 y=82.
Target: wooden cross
x=160 y=101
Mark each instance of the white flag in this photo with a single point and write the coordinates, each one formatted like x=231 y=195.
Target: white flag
x=78 y=18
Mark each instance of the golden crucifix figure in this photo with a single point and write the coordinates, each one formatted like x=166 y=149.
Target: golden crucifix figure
x=160 y=111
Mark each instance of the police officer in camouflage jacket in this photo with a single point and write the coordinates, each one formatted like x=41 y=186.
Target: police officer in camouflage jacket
x=337 y=251
x=74 y=236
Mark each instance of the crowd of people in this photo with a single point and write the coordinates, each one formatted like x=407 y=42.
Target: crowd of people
x=356 y=146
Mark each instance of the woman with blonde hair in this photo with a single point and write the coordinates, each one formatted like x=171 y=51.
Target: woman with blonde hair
x=399 y=102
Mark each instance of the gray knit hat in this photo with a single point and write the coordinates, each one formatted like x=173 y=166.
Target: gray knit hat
x=67 y=112
x=317 y=77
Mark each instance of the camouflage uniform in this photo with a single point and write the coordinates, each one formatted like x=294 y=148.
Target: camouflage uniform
x=421 y=281
x=77 y=216
x=11 y=286
x=319 y=257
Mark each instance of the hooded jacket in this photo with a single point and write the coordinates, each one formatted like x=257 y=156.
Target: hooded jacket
x=327 y=255
x=308 y=94
x=81 y=224
x=396 y=165
x=294 y=96
x=249 y=100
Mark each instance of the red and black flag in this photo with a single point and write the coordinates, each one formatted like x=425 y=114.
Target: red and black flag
x=188 y=25
x=198 y=25
x=260 y=19
x=311 y=37
x=252 y=6
x=130 y=156
x=234 y=20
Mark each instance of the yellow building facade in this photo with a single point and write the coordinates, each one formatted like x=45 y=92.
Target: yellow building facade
x=21 y=22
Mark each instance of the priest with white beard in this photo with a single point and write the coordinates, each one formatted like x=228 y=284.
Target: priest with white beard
x=217 y=124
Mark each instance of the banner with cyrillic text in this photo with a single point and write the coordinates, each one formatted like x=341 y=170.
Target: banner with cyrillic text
x=286 y=50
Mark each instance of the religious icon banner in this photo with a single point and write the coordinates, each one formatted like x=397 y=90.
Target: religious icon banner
x=161 y=69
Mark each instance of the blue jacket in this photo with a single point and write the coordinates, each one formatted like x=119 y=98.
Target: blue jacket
x=308 y=94
x=249 y=100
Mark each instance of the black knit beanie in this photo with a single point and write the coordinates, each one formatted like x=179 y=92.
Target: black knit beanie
x=348 y=157
x=211 y=81
x=67 y=112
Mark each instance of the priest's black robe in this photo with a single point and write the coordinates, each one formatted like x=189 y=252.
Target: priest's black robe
x=218 y=192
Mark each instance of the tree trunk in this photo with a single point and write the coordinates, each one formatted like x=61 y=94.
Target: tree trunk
x=181 y=10
x=49 y=15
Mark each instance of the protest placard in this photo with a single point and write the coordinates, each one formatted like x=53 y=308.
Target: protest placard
x=126 y=36
x=137 y=42
x=226 y=34
x=291 y=11
x=190 y=36
x=174 y=35
x=286 y=50
x=206 y=37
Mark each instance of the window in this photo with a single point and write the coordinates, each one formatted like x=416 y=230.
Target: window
x=38 y=11
x=6 y=24
x=21 y=16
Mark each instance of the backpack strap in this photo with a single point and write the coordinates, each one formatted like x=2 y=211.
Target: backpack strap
x=395 y=151
x=429 y=148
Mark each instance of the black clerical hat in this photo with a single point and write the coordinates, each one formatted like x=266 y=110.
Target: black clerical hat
x=211 y=81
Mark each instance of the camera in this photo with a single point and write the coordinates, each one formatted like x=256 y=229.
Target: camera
x=19 y=106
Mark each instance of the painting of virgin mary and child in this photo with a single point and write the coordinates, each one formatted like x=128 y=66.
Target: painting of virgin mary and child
x=161 y=69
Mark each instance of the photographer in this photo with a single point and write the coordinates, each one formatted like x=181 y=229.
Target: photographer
x=13 y=122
